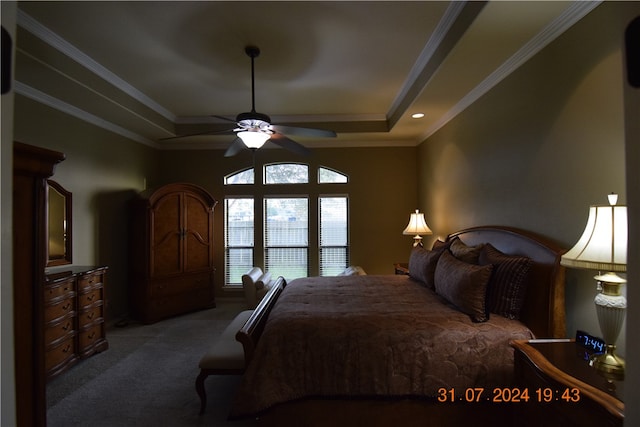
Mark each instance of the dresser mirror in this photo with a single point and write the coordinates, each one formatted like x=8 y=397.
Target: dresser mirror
x=58 y=225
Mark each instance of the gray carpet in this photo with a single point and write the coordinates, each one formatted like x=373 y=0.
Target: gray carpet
x=147 y=377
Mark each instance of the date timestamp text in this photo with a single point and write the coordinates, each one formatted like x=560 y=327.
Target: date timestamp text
x=509 y=395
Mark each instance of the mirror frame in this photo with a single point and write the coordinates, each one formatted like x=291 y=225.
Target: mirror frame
x=66 y=257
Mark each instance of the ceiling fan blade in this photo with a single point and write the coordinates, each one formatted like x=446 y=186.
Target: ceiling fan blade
x=211 y=132
x=289 y=144
x=291 y=130
x=236 y=146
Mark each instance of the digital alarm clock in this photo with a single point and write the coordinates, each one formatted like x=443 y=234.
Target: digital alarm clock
x=590 y=342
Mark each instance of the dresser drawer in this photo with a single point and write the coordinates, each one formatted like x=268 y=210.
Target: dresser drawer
x=87 y=299
x=89 y=336
x=58 y=331
x=61 y=354
x=89 y=280
x=58 y=290
x=59 y=309
x=180 y=284
x=93 y=314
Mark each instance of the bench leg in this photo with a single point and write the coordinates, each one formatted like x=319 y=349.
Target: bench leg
x=200 y=390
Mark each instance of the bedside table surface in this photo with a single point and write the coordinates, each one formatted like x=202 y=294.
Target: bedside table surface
x=573 y=359
x=566 y=363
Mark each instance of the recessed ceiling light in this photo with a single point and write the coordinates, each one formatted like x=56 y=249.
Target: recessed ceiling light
x=417 y=115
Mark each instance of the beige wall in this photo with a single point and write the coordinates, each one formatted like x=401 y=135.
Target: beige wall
x=538 y=149
x=102 y=170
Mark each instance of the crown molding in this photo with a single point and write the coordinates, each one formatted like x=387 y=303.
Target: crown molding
x=31 y=25
x=419 y=70
x=43 y=98
x=574 y=13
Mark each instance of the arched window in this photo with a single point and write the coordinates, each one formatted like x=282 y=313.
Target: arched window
x=245 y=176
x=290 y=231
x=330 y=176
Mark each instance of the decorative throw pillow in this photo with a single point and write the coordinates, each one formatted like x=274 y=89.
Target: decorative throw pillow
x=464 y=252
x=440 y=245
x=508 y=284
x=263 y=280
x=464 y=285
x=353 y=270
x=422 y=265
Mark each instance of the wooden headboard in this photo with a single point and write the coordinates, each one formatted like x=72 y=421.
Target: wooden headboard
x=544 y=310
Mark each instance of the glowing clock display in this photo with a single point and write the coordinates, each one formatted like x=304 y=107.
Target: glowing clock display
x=590 y=342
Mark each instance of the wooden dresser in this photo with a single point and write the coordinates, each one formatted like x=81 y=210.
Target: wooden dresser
x=172 y=253
x=74 y=319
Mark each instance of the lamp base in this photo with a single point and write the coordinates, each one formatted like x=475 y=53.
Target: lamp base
x=608 y=363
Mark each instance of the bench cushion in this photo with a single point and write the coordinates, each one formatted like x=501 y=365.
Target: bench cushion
x=227 y=353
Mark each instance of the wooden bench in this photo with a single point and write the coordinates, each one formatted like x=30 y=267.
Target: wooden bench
x=233 y=350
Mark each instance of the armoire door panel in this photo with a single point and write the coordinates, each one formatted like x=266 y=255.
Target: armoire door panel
x=197 y=235
x=166 y=236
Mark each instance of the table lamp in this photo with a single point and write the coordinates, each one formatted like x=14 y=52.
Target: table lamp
x=416 y=227
x=603 y=247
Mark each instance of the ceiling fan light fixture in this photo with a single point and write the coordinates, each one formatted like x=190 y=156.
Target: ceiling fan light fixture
x=253 y=139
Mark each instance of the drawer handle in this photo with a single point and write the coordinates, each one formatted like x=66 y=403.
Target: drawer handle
x=92 y=335
x=66 y=306
x=67 y=348
x=90 y=315
x=66 y=327
x=91 y=297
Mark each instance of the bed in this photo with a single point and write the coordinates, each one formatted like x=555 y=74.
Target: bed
x=428 y=348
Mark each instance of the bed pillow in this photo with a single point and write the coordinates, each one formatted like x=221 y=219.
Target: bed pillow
x=508 y=283
x=464 y=252
x=422 y=265
x=463 y=285
x=440 y=245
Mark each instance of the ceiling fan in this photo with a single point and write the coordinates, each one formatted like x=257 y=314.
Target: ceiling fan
x=254 y=129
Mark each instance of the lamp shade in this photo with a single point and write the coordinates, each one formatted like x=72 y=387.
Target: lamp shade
x=603 y=244
x=253 y=139
x=417 y=224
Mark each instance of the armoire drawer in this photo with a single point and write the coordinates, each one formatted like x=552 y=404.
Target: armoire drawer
x=180 y=284
x=164 y=307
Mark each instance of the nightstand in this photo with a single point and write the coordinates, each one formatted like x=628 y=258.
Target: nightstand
x=563 y=389
x=401 y=268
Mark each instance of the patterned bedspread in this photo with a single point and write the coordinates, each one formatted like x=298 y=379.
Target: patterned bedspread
x=371 y=336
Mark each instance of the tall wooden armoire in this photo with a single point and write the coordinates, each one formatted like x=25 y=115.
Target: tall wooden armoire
x=172 y=254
